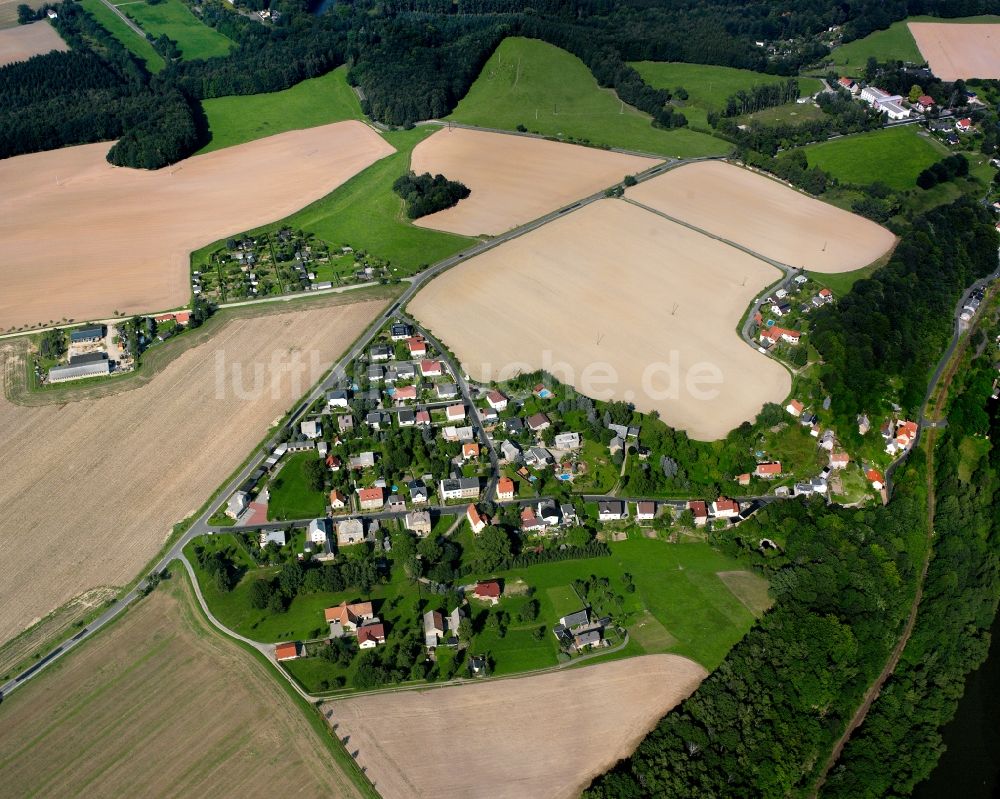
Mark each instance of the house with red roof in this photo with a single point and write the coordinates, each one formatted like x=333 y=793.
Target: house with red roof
x=431 y=368
x=699 y=510
x=850 y=85
x=417 y=347
x=924 y=103
x=645 y=511
x=537 y=422
x=875 y=477
x=334 y=463
x=794 y=407
x=477 y=521
x=724 y=508
x=963 y=125
x=505 y=488
x=288 y=651
x=470 y=451
x=347 y=617
x=423 y=418
x=743 y=479
x=839 y=460
x=338 y=501
x=768 y=470
x=529 y=521
x=371 y=498
x=371 y=635
x=488 y=591
x=405 y=394
x=455 y=413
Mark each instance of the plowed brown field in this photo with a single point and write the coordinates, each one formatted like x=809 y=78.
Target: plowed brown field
x=957 y=50
x=24 y=41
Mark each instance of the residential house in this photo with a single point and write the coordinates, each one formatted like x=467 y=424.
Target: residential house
x=496 y=400
x=530 y=523
x=725 y=508
x=371 y=635
x=345 y=423
x=311 y=428
x=337 y=398
x=455 y=621
x=568 y=514
x=418 y=492
x=477 y=521
x=338 y=500
x=400 y=332
x=611 y=510
x=505 y=488
x=381 y=352
x=288 y=651
x=322 y=448
x=623 y=431
x=575 y=619
x=406 y=418
x=423 y=418
x=510 y=451
x=849 y=85
x=645 y=511
x=434 y=628
x=537 y=422
x=538 y=457
x=374 y=420
x=272 y=537
x=488 y=415
x=514 y=426
x=488 y=591
x=839 y=460
x=588 y=638
x=455 y=413
x=375 y=373
x=419 y=521
x=350 y=532
x=395 y=504
x=794 y=407
x=743 y=479
x=864 y=425
x=548 y=513
x=348 y=617
x=827 y=440
x=470 y=451
x=371 y=498
x=429 y=368
x=363 y=460
x=699 y=509
x=417 y=347
x=963 y=125
x=924 y=103
x=768 y=470
x=446 y=390
x=403 y=370
x=567 y=441
x=237 y=504
x=874 y=476
x=405 y=394
x=460 y=488
x=616 y=445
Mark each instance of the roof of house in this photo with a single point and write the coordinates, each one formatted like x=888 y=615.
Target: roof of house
x=925 y=99
x=344 y=611
x=282 y=651
x=473 y=513
x=575 y=618
x=430 y=366
x=874 y=475
x=495 y=396
x=725 y=504
x=470 y=449
x=337 y=496
x=796 y=404
x=774 y=467
x=537 y=420
x=505 y=485
x=488 y=588
x=371 y=632
x=646 y=507
x=698 y=507
x=840 y=457
x=369 y=494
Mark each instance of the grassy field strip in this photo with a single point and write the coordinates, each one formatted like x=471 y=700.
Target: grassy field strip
x=528 y=82
x=114 y=25
x=175 y=20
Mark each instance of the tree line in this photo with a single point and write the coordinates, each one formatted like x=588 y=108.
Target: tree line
x=757 y=98
x=954 y=166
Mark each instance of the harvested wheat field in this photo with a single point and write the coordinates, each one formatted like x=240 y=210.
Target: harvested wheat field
x=545 y=735
x=620 y=303
x=959 y=51
x=765 y=216
x=25 y=41
x=160 y=705
x=90 y=489
x=514 y=179
x=82 y=238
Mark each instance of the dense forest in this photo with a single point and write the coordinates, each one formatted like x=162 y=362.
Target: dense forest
x=888 y=328
x=900 y=742
x=425 y=194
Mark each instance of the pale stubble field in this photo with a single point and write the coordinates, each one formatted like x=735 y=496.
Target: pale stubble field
x=91 y=489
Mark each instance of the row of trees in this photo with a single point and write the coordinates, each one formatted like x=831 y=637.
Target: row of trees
x=954 y=166
x=900 y=741
x=887 y=328
x=757 y=98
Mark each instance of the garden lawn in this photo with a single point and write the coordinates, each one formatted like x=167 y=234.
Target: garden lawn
x=175 y=20
x=114 y=25
x=901 y=154
x=290 y=494
x=549 y=91
x=709 y=87
x=317 y=101
x=677 y=584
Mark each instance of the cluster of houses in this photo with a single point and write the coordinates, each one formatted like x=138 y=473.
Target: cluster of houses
x=442 y=630
x=357 y=619
x=579 y=632
x=976 y=298
x=899 y=435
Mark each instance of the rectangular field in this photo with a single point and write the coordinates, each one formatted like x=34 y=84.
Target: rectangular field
x=25 y=41
x=959 y=51
x=514 y=179
x=545 y=735
x=620 y=303
x=161 y=705
x=91 y=489
x=132 y=41
x=765 y=216
x=82 y=239
x=174 y=19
